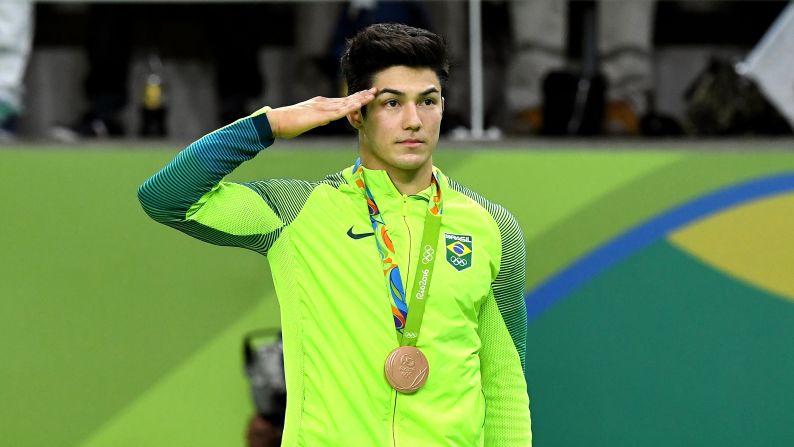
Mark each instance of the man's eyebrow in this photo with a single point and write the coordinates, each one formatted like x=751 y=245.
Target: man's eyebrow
x=429 y=91
x=390 y=90
x=399 y=93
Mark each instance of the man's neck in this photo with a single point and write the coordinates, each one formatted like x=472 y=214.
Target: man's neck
x=411 y=182
x=407 y=182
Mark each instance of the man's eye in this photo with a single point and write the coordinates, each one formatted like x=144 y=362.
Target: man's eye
x=392 y=103
x=429 y=101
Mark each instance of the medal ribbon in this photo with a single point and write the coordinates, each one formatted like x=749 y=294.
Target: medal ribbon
x=408 y=329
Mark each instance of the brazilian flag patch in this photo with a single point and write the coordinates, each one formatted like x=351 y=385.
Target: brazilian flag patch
x=459 y=249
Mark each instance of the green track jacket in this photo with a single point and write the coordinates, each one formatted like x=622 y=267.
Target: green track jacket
x=335 y=308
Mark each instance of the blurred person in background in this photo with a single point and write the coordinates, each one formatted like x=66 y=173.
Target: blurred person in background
x=352 y=17
x=16 y=36
x=115 y=29
x=752 y=97
x=624 y=51
x=357 y=370
x=358 y=14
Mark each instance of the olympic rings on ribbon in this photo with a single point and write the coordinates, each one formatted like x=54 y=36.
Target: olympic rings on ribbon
x=428 y=255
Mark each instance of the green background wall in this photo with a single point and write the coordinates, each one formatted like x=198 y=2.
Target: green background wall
x=120 y=332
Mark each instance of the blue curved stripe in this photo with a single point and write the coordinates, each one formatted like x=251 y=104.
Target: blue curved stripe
x=602 y=258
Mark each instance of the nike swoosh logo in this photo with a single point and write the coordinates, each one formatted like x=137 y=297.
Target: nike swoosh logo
x=358 y=235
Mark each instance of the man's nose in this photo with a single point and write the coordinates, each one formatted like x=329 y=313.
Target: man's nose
x=411 y=120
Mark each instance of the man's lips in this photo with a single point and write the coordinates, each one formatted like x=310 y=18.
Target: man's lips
x=411 y=142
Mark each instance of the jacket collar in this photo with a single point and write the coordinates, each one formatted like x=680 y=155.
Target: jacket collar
x=379 y=182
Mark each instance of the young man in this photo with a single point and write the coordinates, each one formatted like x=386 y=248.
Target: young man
x=401 y=291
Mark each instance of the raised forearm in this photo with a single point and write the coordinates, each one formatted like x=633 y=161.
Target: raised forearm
x=169 y=194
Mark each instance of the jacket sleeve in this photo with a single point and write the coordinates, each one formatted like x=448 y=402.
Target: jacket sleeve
x=503 y=329
x=188 y=194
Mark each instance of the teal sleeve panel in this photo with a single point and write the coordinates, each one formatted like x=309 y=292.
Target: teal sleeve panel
x=169 y=194
x=285 y=197
x=503 y=333
x=508 y=286
x=507 y=419
x=502 y=320
x=188 y=193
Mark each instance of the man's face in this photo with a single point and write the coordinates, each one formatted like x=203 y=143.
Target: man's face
x=402 y=123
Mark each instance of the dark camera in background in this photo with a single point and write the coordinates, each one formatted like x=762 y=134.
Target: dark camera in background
x=263 y=358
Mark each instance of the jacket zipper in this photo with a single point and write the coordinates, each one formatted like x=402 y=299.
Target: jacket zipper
x=393 y=418
x=407 y=279
x=408 y=227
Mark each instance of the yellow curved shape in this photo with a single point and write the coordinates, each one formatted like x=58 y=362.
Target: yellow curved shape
x=753 y=242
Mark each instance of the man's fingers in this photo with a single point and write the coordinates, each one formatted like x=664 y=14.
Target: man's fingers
x=367 y=95
x=364 y=95
x=348 y=103
x=359 y=100
x=291 y=121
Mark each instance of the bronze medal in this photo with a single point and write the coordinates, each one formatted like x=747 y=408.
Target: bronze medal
x=406 y=369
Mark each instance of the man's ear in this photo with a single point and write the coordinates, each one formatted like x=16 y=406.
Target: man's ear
x=442 y=104
x=355 y=118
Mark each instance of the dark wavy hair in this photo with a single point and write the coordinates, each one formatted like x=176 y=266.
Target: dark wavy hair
x=383 y=45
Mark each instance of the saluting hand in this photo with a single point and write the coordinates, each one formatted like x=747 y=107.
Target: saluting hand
x=291 y=121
